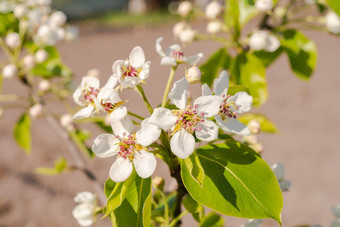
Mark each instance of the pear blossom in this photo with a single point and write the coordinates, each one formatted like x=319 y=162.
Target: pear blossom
x=174 y=55
x=129 y=148
x=231 y=106
x=193 y=75
x=254 y=127
x=187 y=35
x=9 y=71
x=47 y=35
x=29 y=61
x=214 y=27
x=20 y=10
x=184 y=8
x=41 y=56
x=57 y=19
x=93 y=72
x=310 y=2
x=13 y=40
x=279 y=171
x=178 y=28
x=262 y=40
x=44 y=85
x=132 y=71
x=36 y=110
x=84 y=212
x=213 y=9
x=264 y=5
x=333 y=22
x=189 y=119
x=66 y=121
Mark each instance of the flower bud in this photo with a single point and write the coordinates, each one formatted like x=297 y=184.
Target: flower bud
x=264 y=5
x=41 y=55
x=178 y=28
x=44 y=85
x=13 y=40
x=258 y=147
x=9 y=71
x=94 y=73
x=19 y=11
x=29 y=61
x=71 y=33
x=193 y=75
x=258 y=40
x=44 y=2
x=57 y=19
x=213 y=9
x=279 y=171
x=333 y=22
x=158 y=182
x=187 y=35
x=310 y=2
x=251 y=139
x=280 y=12
x=254 y=127
x=214 y=27
x=184 y=8
x=36 y=111
x=66 y=121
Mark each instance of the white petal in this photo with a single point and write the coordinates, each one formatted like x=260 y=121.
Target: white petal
x=108 y=94
x=105 y=145
x=159 y=47
x=137 y=57
x=172 y=48
x=85 y=197
x=243 y=101
x=232 y=125
x=112 y=82
x=182 y=144
x=206 y=90
x=116 y=65
x=168 y=61
x=221 y=84
x=209 y=105
x=85 y=112
x=90 y=81
x=209 y=131
x=130 y=82
x=192 y=60
x=273 y=43
x=124 y=126
x=121 y=169
x=279 y=171
x=78 y=97
x=145 y=70
x=145 y=163
x=86 y=222
x=179 y=93
x=163 y=118
x=82 y=212
x=148 y=134
x=118 y=114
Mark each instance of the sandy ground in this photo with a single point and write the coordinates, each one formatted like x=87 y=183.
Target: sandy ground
x=307 y=114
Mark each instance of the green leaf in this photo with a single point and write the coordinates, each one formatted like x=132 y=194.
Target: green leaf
x=238 y=182
x=231 y=17
x=212 y=220
x=267 y=58
x=232 y=90
x=335 y=6
x=195 y=168
x=22 y=132
x=249 y=71
x=247 y=10
x=109 y=186
x=136 y=208
x=212 y=66
x=8 y=23
x=194 y=208
x=265 y=124
x=59 y=166
x=301 y=52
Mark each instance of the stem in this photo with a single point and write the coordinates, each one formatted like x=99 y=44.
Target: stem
x=146 y=102
x=136 y=115
x=178 y=218
x=168 y=85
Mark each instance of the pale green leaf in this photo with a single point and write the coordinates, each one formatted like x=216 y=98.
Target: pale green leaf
x=22 y=133
x=195 y=168
x=60 y=165
x=212 y=220
x=194 y=208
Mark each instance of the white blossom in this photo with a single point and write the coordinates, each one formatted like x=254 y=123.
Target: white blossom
x=333 y=22
x=20 y=10
x=214 y=27
x=310 y=2
x=47 y=35
x=264 y=5
x=44 y=85
x=93 y=72
x=41 y=56
x=262 y=40
x=84 y=212
x=29 y=61
x=213 y=9
x=36 y=110
x=232 y=105
x=254 y=127
x=174 y=55
x=129 y=148
x=13 y=40
x=132 y=71
x=66 y=121
x=279 y=171
x=187 y=35
x=184 y=8
x=9 y=71
x=178 y=28
x=57 y=19
x=193 y=74
x=44 y=2
x=188 y=119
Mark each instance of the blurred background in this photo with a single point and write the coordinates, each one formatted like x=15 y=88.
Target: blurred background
x=307 y=114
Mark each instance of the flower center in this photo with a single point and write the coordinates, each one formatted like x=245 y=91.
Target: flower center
x=128 y=146
x=129 y=71
x=188 y=119
x=90 y=93
x=228 y=109
x=177 y=54
x=109 y=107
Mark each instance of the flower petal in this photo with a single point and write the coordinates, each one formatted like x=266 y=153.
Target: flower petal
x=85 y=112
x=83 y=214
x=121 y=169
x=243 y=101
x=116 y=66
x=90 y=81
x=112 y=81
x=209 y=131
x=168 y=61
x=85 y=197
x=192 y=60
x=130 y=82
x=232 y=125
x=145 y=70
x=273 y=43
x=108 y=94
x=172 y=48
x=179 y=93
x=159 y=47
x=163 y=118
x=145 y=163
x=182 y=144
x=78 y=97
x=104 y=145
x=148 y=134
x=124 y=126
x=206 y=90
x=209 y=105
x=221 y=84
x=117 y=114
x=137 y=57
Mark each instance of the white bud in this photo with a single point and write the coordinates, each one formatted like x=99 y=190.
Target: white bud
x=13 y=40
x=310 y=2
x=71 y=33
x=67 y=122
x=254 y=127
x=57 y=19
x=213 y=9
x=258 y=147
x=193 y=75
x=251 y=139
x=178 y=28
x=187 y=35
x=29 y=61
x=44 y=2
x=9 y=71
x=184 y=8
x=47 y=35
x=36 y=110
x=41 y=55
x=20 y=11
x=258 y=40
x=214 y=27
x=279 y=171
x=93 y=72
x=44 y=85
x=280 y=12
x=264 y=5
x=333 y=22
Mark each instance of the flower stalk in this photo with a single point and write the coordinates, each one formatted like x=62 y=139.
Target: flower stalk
x=168 y=85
